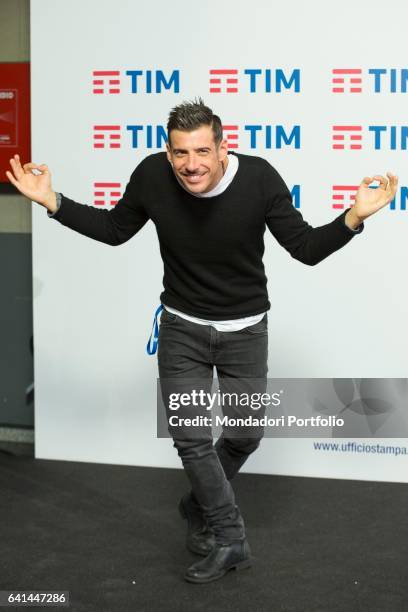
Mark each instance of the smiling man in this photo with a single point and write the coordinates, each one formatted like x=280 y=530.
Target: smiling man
x=210 y=207
x=199 y=157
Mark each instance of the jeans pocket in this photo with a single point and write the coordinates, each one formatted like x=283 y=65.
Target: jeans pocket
x=167 y=318
x=259 y=328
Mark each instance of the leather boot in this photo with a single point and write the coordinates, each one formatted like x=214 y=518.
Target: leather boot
x=200 y=537
x=222 y=558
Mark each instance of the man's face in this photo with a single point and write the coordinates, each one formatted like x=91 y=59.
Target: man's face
x=195 y=158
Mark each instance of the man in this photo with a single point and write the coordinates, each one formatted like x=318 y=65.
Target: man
x=210 y=208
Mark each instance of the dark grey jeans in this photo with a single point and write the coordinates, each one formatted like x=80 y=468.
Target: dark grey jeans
x=187 y=350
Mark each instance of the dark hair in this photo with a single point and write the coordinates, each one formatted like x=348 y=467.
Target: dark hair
x=190 y=116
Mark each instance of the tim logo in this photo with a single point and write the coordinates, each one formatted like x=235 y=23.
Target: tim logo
x=393 y=137
x=253 y=80
x=346 y=137
x=376 y=80
x=106 y=81
x=106 y=194
x=135 y=81
x=346 y=80
x=223 y=80
x=106 y=137
x=230 y=133
x=343 y=196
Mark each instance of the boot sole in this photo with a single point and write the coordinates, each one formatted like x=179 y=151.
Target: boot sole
x=237 y=566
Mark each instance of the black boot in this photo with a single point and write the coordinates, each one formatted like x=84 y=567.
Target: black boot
x=223 y=557
x=200 y=537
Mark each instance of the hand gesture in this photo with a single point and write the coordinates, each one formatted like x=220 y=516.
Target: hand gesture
x=369 y=201
x=34 y=185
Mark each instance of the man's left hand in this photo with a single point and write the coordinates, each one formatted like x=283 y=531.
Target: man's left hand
x=371 y=200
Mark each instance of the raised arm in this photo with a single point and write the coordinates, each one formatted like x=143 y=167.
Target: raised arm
x=308 y=244
x=112 y=227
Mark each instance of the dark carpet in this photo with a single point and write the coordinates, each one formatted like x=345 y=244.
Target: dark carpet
x=112 y=536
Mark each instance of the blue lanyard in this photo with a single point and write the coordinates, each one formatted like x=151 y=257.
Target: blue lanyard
x=152 y=346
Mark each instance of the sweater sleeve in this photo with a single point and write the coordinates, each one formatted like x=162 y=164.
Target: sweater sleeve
x=114 y=226
x=307 y=244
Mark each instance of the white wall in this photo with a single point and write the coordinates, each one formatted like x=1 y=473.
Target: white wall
x=93 y=304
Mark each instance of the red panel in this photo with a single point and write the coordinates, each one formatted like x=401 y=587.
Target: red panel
x=15 y=126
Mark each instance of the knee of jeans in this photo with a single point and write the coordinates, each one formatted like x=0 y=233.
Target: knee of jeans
x=192 y=449
x=243 y=446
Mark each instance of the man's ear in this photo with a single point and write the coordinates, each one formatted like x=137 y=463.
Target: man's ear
x=223 y=150
x=168 y=151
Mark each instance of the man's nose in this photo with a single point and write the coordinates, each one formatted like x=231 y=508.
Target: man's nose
x=192 y=163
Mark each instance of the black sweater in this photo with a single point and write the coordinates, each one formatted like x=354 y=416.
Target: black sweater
x=212 y=248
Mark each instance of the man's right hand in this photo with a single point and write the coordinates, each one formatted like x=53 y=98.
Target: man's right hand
x=36 y=187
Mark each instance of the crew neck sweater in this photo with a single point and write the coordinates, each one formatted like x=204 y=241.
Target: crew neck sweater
x=212 y=248
x=234 y=324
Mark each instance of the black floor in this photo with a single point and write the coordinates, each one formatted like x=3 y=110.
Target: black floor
x=111 y=535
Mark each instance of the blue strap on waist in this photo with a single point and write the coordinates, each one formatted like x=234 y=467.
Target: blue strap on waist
x=151 y=347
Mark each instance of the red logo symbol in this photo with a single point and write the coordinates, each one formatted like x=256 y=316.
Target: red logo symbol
x=347 y=134
x=232 y=136
x=343 y=196
x=106 y=79
x=346 y=78
x=110 y=132
x=226 y=77
x=106 y=193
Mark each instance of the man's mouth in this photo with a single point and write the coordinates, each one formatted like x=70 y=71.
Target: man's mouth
x=193 y=178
